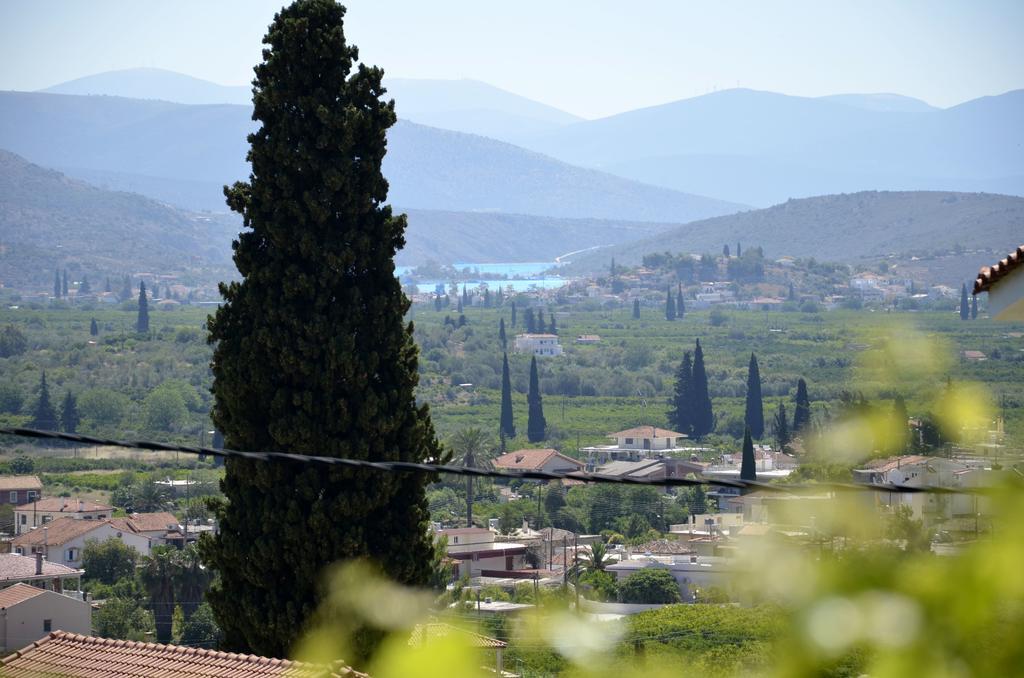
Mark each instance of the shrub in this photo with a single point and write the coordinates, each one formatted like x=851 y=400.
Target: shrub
x=650 y=585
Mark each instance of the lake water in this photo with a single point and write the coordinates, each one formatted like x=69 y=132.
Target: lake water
x=523 y=276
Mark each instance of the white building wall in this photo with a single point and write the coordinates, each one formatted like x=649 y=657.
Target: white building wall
x=23 y=623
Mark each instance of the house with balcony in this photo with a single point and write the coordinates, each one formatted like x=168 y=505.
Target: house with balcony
x=477 y=554
x=641 y=442
x=39 y=572
x=47 y=509
x=540 y=345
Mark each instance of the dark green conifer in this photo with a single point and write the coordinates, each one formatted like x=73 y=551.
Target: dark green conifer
x=94 y=329
x=142 y=322
x=680 y=413
x=670 y=306
x=106 y=286
x=311 y=352
x=739 y=251
x=703 y=420
x=531 y=324
x=502 y=337
x=802 y=411
x=552 y=328
x=636 y=309
x=69 y=418
x=56 y=284
x=748 y=468
x=754 y=417
x=513 y=320
x=536 y=426
x=460 y=307
x=539 y=322
x=974 y=307
x=84 y=287
x=680 y=304
x=965 y=310
x=44 y=417
x=780 y=427
x=507 y=426
x=64 y=285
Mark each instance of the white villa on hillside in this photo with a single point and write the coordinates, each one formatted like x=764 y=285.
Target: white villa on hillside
x=638 y=443
x=538 y=344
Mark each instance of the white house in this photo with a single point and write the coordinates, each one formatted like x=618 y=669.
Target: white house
x=538 y=344
x=915 y=471
x=62 y=540
x=28 y=613
x=478 y=555
x=691 y=572
x=48 y=509
x=638 y=443
x=1004 y=283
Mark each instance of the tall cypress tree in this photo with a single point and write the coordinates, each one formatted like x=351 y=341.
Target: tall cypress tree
x=64 y=285
x=754 y=417
x=536 y=426
x=974 y=307
x=94 y=329
x=45 y=416
x=106 y=286
x=513 y=320
x=552 y=327
x=670 y=306
x=748 y=467
x=311 y=352
x=780 y=427
x=680 y=304
x=965 y=311
x=531 y=324
x=703 y=419
x=69 y=418
x=142 y=323
x=502 y=337
x=56 y=284
x=541 y=328
x=802 y=411
x=680 y=413
x=507 y=426
x=636 y=309
x=739 y=250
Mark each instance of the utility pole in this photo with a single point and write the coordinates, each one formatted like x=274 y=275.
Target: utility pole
x=576 y=568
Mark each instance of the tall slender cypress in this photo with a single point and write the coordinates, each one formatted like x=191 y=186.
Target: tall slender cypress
x=974 y=307
x=69 y=418
x=513 y=319
x=670 y=306
x=680 y=304
x=45 y=416
x=507 y=426
x=531 y=324
x=681 y=410
x=64 y=285
x=748 y=468
x=94 y=329
x=802 y=411
x=312 y=354
x=552 y=327
x=754 y=417
x=502 y=337
x=780 y=427
x=56 y=284
x=703 y=420
x=636 y=309
x=536 y=426
x=142 y=322
x=965 y=310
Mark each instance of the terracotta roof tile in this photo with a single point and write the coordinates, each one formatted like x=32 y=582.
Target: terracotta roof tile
x=989 y=275
x=523 y=460
x=14 y=567
x=19 y=593
x=8 y=483
x=62 y=505
x=424 y=633
x=74 y=656
x=151 y=522
x=57 y=532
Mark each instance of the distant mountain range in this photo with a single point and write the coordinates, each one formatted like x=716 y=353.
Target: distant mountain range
x=762 y=148
x=845 y=227
x=185 y=154
x=49 y=221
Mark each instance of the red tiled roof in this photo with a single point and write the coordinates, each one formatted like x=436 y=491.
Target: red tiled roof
x=647 y=432
x=71 y=655
x=152 y=522
x=19 y=593
x=424 y=633
x=10 y=483
x=990 y=275
x=532 y=460
x=892 y=463
x=57 y=532
x=62 y=505
x=14 y=566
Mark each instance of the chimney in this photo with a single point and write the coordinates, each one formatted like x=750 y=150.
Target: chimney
x=81 y=505
x=39 y=563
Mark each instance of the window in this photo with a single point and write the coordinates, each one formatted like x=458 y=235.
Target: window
x=14 y=497
x=32 y=495
x=629 y=441
x=20 y=551
x=72 y=554
x=47 y=625
x=47 y=519
x=101 y=517
x=24 y=519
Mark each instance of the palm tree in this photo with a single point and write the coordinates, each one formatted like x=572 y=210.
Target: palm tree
x=472 y=448
x=597 y=559
x=158 y=574
x=191 y=580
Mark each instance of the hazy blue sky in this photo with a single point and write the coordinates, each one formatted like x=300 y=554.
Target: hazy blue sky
x=589 y=57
